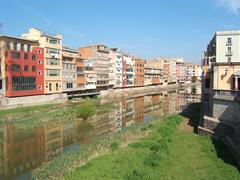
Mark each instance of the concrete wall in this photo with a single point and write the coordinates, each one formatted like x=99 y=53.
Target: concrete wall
x=8 y=103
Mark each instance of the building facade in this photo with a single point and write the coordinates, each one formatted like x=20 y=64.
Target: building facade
x=130 y=70
x=100 y=55
x=22 y=67
x=69 y=70
x=90 y=76
x=180 y=70
x=153 y=72
x=139 y=72
x=52 y=59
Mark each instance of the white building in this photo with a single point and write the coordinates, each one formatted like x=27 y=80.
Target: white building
x=130 y=73
x=227 y=46
x=115 y=68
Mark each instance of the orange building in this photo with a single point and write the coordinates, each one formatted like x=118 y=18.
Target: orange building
x=139 y=73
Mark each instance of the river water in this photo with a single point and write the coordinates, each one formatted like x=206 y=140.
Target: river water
x=24 y=149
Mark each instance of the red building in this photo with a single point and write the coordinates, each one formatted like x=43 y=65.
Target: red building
x=22 y=67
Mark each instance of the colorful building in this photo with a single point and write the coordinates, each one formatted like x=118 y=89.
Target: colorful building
x=69 y=70
x=130 y=72
x=52 y=59
x=153 y=72
x=22 y=67
x=100 y=55
x=139 y=72
x=90 y=76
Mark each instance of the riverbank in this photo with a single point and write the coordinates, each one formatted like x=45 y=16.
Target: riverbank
x=34 y=116
x=141 y=91
x=165 y=147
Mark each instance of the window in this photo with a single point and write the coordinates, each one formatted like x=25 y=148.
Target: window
x=39 y=51
x=33 y=68
x=22 y=83
x=34 y=57
x=8 y=45
x=39 y=61
x=39 y=88
x=29 y=48
x=26 y=68
x=53 y=72
x=15 y=55
x=69 y=85
x=40 y=72
x=53 y=41
x=229 y=40
x=25 y=56
x=50 y=86
x=22 y=47
x=56 y=86
x=15 y=46
x=229 y=50
x=16 y=68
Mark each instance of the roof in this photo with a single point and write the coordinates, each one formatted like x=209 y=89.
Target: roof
x=18 y=39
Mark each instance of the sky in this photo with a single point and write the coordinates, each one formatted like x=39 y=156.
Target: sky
x=145 y=28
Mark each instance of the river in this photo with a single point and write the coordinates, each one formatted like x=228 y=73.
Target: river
x=23 y=149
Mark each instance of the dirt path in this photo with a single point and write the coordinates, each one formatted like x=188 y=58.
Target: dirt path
x=185 y=126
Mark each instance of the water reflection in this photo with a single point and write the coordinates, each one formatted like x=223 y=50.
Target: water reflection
x=23 y=149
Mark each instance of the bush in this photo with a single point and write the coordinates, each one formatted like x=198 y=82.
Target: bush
x=114 y=145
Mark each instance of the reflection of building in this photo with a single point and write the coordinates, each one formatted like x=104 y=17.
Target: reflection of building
x=139 y=110
x=53 y=58
x=53 y=141
x=21 y=150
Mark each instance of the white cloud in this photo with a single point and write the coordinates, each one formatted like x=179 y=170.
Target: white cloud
x=233 y=6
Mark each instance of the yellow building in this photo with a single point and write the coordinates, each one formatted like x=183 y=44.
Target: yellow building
x=52 y=59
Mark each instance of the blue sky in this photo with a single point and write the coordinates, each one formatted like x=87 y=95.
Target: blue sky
x=147 y=28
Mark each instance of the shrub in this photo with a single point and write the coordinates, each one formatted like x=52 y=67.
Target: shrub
x=114 y=145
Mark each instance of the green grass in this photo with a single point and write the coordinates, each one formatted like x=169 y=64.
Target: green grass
x=166 y=153
x=36 y=115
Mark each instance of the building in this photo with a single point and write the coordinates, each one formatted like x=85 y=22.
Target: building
x=22 y=67
x=180 y=70
x=221 y=82
x=116 y=63
x=52 y=45
x=69 y=70
x=90 y=76
x=189 y=72
x=130 y=70
x=166 y=71
x=100 y=55
x=153 y=72
x=139 y=72
x=172 y=79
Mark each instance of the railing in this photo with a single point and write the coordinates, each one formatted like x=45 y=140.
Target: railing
x=229 y=53
x=227 y=93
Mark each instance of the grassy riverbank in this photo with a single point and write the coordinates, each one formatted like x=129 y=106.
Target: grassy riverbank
x=72 y=110
x=162 y=149
x=166 y=153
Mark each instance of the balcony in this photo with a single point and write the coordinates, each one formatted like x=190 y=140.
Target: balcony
x=227 y=95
